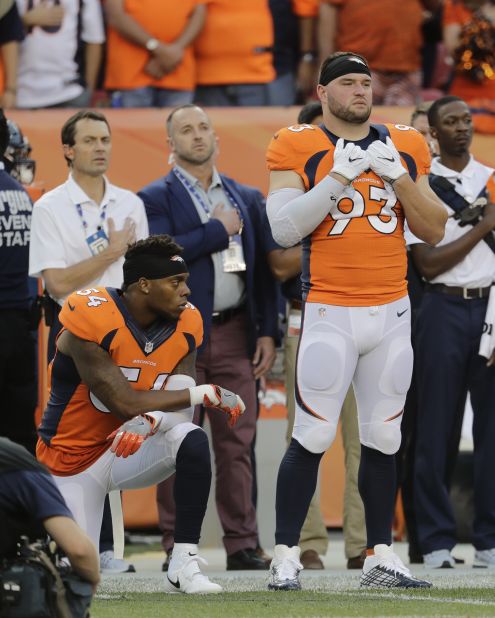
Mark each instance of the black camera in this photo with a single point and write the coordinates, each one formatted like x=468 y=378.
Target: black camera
x=472 y=213
x=36 y=584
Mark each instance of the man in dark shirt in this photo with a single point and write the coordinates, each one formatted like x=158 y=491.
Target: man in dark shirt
x=31 y=504
x=17 y=350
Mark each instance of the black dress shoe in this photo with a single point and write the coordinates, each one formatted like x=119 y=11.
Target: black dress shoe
x=262 y=555
x=166 y=564
x=246 y=560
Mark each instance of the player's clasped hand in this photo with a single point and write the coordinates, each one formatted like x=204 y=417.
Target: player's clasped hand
x=128 y=438
x=215 y=396
x=227 y=401
x=350 y=160
x=385 y=160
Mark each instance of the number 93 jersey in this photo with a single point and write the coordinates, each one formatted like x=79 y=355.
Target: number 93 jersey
x=75 y=424
x=356 y=257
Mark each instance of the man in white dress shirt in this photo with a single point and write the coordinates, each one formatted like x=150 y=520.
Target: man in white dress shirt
x=459 y=272
x=80 y=232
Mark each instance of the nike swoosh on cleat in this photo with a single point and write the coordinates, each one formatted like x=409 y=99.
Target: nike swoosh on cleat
x=197 y=554
x=174 y=584
x=399 y=313
x=356 y=159
x=387 y=159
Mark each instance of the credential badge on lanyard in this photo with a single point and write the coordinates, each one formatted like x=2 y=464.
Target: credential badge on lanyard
x=98 y=241
x=233 y=257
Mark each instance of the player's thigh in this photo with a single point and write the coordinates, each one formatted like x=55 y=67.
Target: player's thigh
x=326 y=362
x=382 y=379
x=153 y=462
x=84 y=494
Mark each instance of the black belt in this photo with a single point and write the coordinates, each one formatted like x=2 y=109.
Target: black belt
x=220 y=317
x=451 y=290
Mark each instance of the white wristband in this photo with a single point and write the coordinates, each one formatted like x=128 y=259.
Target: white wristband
x=197 y=393
x=175 y=382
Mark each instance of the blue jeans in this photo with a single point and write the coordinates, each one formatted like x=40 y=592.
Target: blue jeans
x=243 y=95
x=149 y=96
x=282 y=90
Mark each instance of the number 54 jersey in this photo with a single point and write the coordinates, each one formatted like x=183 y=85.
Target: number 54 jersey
x=75 y=424
x=357 y=256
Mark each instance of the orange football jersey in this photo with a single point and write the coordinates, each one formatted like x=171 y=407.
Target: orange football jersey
x=75 y=425
x=358 y=256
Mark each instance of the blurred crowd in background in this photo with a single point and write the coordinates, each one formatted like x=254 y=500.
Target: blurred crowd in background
x=161 y=53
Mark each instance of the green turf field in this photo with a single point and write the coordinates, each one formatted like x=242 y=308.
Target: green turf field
x=365 y=603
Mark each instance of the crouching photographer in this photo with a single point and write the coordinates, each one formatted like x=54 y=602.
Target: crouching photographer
x=34 y=580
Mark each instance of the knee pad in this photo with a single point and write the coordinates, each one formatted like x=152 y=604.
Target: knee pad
x=194 y=452
x=397 y=370
x=384 y=436
x=177 y=382
x=317 y=437
x=321 y=362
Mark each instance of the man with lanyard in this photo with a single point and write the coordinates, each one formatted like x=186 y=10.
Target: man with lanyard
x=218 y=222
x=80 y=231
x=459 y=272
x=345 y=189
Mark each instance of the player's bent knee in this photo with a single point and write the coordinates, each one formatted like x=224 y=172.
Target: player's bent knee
x=321 y=365
x=397 y=371
x=194 y=449
x=317 y=438
x=384 y=438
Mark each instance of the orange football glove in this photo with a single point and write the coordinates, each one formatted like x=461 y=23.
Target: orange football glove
x=128 y=438
x=225 y=400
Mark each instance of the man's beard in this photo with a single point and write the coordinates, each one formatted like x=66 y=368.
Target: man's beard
x=197 y=158
x=339 y=111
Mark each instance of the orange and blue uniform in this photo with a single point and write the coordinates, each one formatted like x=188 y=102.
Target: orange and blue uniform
x=358 y=257
x=75 y=425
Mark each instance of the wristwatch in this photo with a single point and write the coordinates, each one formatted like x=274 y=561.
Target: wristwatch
x=309 y=56
x=152 y=44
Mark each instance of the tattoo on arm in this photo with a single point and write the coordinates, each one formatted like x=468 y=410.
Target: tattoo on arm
x=187 y=366
x=96 y=369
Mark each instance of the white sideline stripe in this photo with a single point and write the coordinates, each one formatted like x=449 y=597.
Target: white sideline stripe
x=410 y=597
x=117 y=523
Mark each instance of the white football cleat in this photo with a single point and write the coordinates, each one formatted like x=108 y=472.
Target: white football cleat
x=385 y=569
x=484 y=558
x=439 y=559
x=285 y=568
x=109 y=565
x=184 y=574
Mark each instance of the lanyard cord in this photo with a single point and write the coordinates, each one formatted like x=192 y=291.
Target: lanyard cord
x=103 y=214
x=193 y=191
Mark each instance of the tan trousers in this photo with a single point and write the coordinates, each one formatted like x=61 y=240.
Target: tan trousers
x=314 y=533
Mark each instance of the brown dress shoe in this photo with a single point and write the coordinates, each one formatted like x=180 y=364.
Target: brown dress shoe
x=357 y=562
x=311 y=560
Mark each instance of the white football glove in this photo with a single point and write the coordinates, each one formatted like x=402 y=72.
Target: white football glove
x=350 y=160
x=214 y=396
x=385 y=160
x=128 y=438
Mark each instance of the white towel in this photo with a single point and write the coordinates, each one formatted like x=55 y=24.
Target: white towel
x=487 y=341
